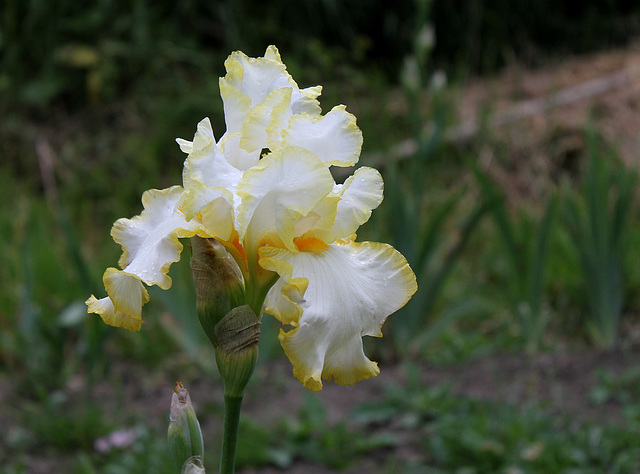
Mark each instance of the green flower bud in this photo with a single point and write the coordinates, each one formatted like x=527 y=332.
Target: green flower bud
x=238 y=334
x=184 y=435
x=218 y=282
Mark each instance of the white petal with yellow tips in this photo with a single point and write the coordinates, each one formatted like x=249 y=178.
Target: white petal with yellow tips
x=334 y=138
x=104 y=307
x=206 y=163
x=358 y=196
x=123 y=306
x=352 y=288
x=265 y=119
x=150 y=240
x=282 y=188
x=249 y=81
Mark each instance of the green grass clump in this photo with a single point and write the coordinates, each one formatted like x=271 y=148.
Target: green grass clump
x=461 y=434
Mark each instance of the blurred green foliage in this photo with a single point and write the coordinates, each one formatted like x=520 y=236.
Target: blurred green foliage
x=62 y=53
x=598 y=219
x=479 y=37
x=525 y=241
x=309 y=437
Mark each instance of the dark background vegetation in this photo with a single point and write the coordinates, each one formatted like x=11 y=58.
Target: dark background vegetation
x=92 y=95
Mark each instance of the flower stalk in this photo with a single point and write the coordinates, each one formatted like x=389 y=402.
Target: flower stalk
x=232 y=327
x=236 y=356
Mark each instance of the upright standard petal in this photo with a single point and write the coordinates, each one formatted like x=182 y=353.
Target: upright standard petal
x=282 y=188
x=256 y=77
x=206 y=163
x=334 y=138
x=352 y=288
x=249 y=81
x=237 y=156
x=264 y=120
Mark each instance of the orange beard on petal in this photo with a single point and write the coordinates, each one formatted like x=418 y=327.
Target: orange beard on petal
x=310 y=244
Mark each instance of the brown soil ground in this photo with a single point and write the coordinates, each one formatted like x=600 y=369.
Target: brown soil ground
x=540 y=116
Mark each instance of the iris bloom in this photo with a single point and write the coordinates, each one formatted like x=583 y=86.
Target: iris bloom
x=264 y=190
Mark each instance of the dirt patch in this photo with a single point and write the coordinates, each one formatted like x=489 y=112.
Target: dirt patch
x=526 y=105
x=562 y=381
x=539 y=116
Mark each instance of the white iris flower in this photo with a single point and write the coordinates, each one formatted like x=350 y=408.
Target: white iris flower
x=265 y=192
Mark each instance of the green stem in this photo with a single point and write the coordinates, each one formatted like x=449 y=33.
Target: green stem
x=256 y=289
x=232 y=407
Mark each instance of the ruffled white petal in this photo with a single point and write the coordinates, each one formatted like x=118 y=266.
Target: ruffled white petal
x=286 y=297
x=206 y=163
x=283 y=187
x=236 y=104
x=264 y=119
x=334 y=138
x=150 y=241
x=358 y=196
x=255 y=77
x=235 y=155
x=210 y=180
x=352 y=288
x=214 y=207
x=249 y=81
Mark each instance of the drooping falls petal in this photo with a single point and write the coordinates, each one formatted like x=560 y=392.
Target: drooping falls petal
x=334 y=138
x=126 y=291
x=104 y=307
x=123 y=306
x=285 y=298
x=352 y=288
x=283 y=187
x=150 y=241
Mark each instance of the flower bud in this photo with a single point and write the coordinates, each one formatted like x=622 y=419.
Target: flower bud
x=184 y=435
x=238 y=334
x=218 y=282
